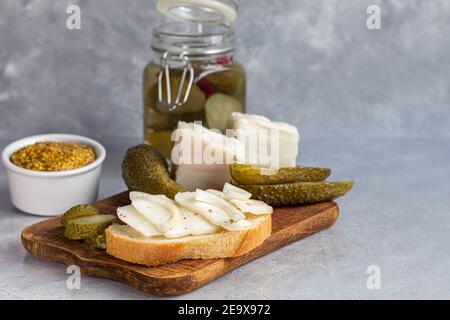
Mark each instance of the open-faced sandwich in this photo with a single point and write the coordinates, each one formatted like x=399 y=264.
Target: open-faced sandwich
x=196 y=225
x=213 y=199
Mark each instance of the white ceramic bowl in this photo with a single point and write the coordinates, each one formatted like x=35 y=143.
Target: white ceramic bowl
x=52 y=193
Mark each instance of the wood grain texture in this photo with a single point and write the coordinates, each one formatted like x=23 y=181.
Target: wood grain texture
x=45 y=240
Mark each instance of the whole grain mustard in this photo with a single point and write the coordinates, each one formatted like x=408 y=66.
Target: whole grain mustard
x=53 y=156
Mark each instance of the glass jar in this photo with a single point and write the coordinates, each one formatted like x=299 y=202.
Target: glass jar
x=194 y=58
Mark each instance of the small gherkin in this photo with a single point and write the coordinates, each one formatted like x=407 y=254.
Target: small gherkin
x=256 y=175
x=229 y=82
x=195 y=102
x=144 y=169
x=82 y=210
x=88 y=227
x=97 y=242
x=301 y=193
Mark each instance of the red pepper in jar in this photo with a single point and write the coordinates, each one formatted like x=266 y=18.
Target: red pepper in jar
x=206 y=87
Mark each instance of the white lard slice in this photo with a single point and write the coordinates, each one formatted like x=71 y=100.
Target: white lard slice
x=210 y=212
x=158 y=209
x=234 y=192
x=203 y=157
x=248 y=206
x=192 y=224
x=210 y=198
x=134 y=219
x=257 y=133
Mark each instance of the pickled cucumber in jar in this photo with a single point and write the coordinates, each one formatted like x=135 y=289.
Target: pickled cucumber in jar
x=194 y=75
x=216 y=92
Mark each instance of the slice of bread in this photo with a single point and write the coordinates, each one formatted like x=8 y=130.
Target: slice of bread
x=123 y=242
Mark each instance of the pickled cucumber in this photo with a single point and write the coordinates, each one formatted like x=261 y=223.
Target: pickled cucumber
x=251 y=174
x=195 y=102
x=228 y=79
x=161 y=140
x=145 y=169
x=82 y=210
x=97 y=242
x=299 y=193
x=87 y=227
x=230 y=82
x=218 y=109
x=156 y=121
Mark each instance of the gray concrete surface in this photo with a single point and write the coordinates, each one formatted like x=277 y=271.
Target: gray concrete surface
x=397 y=217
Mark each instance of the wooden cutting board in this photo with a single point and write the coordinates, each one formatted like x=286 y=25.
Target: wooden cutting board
x=45 y=240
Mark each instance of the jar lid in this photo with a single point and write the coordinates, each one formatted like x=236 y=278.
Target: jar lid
x=200 y=11
x=184 y=38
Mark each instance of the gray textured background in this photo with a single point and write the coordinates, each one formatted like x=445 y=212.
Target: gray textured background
x=312 y=62
x=372 y=105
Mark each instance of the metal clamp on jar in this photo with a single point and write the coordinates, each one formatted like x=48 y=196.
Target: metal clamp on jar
x=195 y=76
